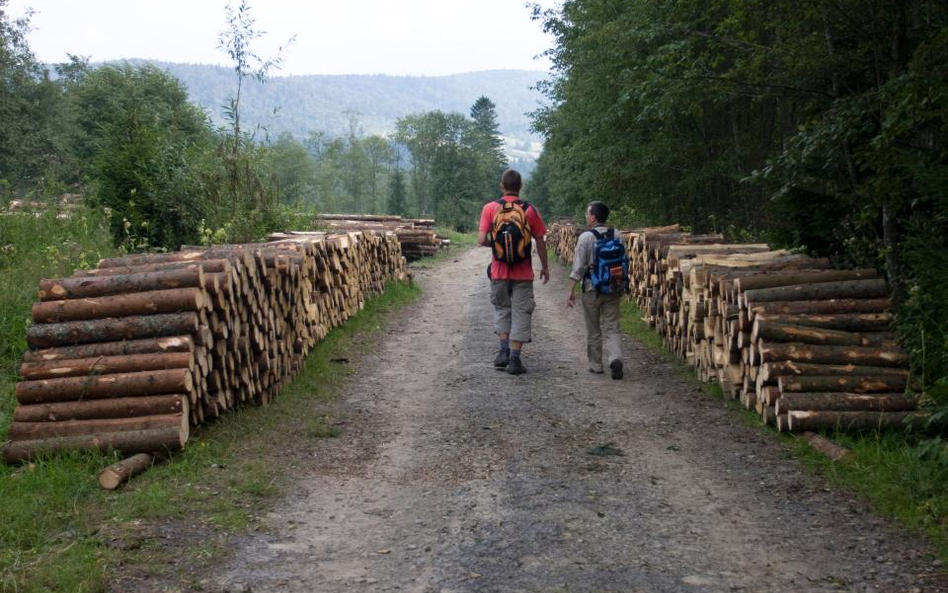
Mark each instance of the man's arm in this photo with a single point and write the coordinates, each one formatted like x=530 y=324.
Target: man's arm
x=482 y=239
x=541 y=251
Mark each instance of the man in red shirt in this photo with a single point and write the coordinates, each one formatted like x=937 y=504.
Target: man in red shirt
x=512 y=284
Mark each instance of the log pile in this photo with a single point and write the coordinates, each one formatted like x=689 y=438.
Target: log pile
x=806 y=346
x=134 y=353
x=417 y=236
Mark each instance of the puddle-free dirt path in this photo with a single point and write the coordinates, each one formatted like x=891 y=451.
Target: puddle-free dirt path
x=451 y=476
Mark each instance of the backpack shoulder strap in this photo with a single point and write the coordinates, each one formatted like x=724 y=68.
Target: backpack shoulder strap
x=611 y=233
x=596 y=234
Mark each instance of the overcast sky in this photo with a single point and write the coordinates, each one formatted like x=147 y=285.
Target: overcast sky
x=399 y=37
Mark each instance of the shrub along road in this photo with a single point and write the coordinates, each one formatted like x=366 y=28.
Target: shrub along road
x=451 y=476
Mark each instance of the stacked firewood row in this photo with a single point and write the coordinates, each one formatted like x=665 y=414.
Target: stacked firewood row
x=132 y=354
x=417 y=236
x=806 y=346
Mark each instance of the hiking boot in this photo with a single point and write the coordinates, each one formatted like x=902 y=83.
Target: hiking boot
x=596 y=371
x=515 y=367
x=502 y=358
x=616 y=367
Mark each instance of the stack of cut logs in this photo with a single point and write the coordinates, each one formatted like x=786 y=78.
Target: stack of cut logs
x=417 y=236
x=132 y=354
x=806 y=346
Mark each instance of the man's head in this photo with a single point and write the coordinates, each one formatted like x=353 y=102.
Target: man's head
x=597 y=212
x=510 y=183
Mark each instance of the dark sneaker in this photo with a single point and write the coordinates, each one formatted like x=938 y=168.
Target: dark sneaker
x=502 y=358
x=616 y=367
x=515 y=367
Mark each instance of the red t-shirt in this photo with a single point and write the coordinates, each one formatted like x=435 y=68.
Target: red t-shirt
x=521 y=270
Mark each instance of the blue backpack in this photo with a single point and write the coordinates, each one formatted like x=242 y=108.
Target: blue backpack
x=610 y=270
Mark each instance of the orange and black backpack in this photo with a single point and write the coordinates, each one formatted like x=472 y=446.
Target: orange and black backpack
x=511 y=237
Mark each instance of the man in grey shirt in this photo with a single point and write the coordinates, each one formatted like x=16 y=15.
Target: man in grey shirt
x=601 y=311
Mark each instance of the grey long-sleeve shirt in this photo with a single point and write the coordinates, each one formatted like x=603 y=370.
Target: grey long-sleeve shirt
x=584 y=255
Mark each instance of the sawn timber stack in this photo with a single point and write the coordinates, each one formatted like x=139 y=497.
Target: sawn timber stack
x=133 y=354
x=807 y=347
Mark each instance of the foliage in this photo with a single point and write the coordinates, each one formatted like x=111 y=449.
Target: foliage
x=809 y=124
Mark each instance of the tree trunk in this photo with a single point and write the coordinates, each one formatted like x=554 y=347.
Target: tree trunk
x=827 y=420
x=104 y=365
x=118 y=473
x=845 y=289
x=786 y=332
x=853 y=322
x=854 y=384
x=846 y=402
x=31 y=431
x=109 y=330
x=776 y=279
x=830 y=306
x=91 y=409
x=828 y=447
x=856 y=355
x=124 y=305
x=769 y=372
x=121 y=348
x=140 y=441
x=172 y=381
x=99 y=286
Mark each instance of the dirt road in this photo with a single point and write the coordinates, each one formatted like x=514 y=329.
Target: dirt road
x=451 y=476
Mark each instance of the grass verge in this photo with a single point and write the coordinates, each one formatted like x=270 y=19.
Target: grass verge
x=901 y=477
x=61 y=533
x=459 y=243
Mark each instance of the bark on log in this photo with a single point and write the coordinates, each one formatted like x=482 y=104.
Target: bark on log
x=845 y=289
x=828 y=447
x=171 y=381
x=140 y=441
x=829 y=306
x=775 y=279
x=769 y=371
x=846 y=402
x=31 y=431
x=104 y=365
x=118 y=473
x=853 y=384
x=70 y=333
x=120 y=348
x=853 y=322
x=99 y=286
x=787 y=332
x=826 y=420
x=124 y=305
x=120 y=407
x=839 y=355
x=209 y=266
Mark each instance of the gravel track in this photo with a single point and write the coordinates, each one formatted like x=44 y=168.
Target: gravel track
x=453 y=477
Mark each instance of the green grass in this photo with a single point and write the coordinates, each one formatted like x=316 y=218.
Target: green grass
x=900 y=478
x=62 y=533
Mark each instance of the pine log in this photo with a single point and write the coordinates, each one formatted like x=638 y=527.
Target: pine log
x=827 y=447
x=139 y=441
x=829 y=306
x=787 y=332
x=826 y=420
x=120 y=407
x=118 y=473
x=839 y=355
x=769 y=372
x=844 y=289
x=170 y=381
x=31 y=431
x=775 y=279
x=852 y=322
x=846 y=402
x=104 y=365
x=70 y=333
x=853 y=384
x=99 y=286
x=124 y=305
x=209 y=266
x=120 y=348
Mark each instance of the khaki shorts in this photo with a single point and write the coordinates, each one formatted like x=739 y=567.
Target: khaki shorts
x=513 y=308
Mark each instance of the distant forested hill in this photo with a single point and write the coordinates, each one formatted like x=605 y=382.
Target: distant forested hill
x=321 y=103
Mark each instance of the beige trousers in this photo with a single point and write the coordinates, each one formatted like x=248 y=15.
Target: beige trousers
x=601 y=312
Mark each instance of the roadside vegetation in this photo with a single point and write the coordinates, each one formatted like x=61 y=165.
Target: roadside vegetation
x=903 y=476
x=61 y=532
